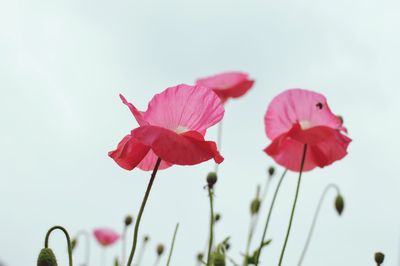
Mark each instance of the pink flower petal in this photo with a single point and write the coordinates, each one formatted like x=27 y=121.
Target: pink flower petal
x=325 y=146
x=129 y=153
x=307 y=108
x=227 y=85
x=106 y=237
x=183 y=149
x=185 y=108
x=136 y=113
x=149 y=161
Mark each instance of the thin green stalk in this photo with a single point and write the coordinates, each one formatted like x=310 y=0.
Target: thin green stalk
x=141 y=253
x=46 y=241
x=294 y=205
x=269 y=216
x=146 y=195
x=210 y=241
x=173 y=243
x=87 y=246
x=314 y=222
x=123 y=245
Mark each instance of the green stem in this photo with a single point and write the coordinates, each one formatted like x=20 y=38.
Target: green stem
x=46 y=241
x=141 y=253
x=294 y=205
x=173 y=243
x=210 y=241
x=314 y=222
x=87 y=247
x=269 y=216
x=146 y=195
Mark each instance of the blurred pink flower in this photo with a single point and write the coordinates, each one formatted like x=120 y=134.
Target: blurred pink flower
x=297 y=117
x=173 y=129
x=105 y=236
x=227 y=85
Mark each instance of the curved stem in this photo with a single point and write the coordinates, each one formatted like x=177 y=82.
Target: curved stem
x=46 y=241
x=173 y=243
x=219 y=143
x=294 y=205
x=269 y=216
x=210 y=241
x=314 y=221
x=146 y=195
x=87 y=240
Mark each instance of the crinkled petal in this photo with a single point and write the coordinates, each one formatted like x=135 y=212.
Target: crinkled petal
x=298 y=106
x=287 y=151
x=136 y=113
x=183 y=149
x=129 y=153
x=149 y=161
x=227 y=85
x=185 y=108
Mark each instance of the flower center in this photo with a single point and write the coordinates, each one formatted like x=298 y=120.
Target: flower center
x=181 y=129
x=305 y=124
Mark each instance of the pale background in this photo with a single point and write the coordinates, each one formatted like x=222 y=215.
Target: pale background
x=63 y=63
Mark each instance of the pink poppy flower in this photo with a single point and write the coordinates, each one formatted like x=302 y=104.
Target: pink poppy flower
x=227 y=85
x=297 y=117
x=173 y=129
x=106 y=237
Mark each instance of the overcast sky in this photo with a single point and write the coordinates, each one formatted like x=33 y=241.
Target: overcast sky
x=63 y=63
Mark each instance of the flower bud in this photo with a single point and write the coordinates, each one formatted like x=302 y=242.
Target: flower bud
x=255 y=206
x=271 y=171
x=339 y=204
x=211 y=179
x=379 y=257
x=128 y=220
x=217 y=217
x=200 y=257
x=219 y=259
x=160 y=249
x=146 y=238
x=46 y=258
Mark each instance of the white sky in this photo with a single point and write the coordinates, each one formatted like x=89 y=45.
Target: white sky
x=63 y=63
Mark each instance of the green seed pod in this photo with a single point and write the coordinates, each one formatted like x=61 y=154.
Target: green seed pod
x=146 y=238
x=271 y=171
x=160 y=249
x=339 y=204
x=128 y=220
x=379 y=257
x=200 y=257
x=211 y=179
x=255 y=206
x=217 y=217
x=219 y=259
x=46 y=258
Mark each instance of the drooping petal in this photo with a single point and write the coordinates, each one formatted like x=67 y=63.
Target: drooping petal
x=185 y=108
x=129 y=153
x=307 y=108
x=325 y=146
x=149 y=161
x=227 y=85
x=183 y=149
x=136 y=113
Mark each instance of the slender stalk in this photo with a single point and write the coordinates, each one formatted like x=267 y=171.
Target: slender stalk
x=269 y=216
x=210 y=241
x=141 y=252
x=46 y=241
x=173 y=243
x=157 y=261
x=103 y=256
x=219 y=143
x=146 y=195
x=294 y=205
x=314 y=221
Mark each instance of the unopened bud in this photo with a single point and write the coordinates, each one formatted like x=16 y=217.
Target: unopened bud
x=146 y=238
x=339 y=204
x=116 y=262
x=211 y=179
x=160 y=249
x=217 y=217
x=46 y=258
x=200 y=257
x=255 y=206
x=128 y=220
x=271 y=171
x=379 y=257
